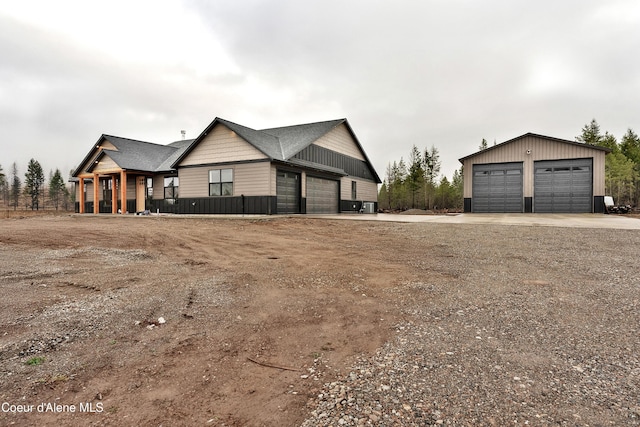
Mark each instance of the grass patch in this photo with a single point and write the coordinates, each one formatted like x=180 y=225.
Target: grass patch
x=35 y=361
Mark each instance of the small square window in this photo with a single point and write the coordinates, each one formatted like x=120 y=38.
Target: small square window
x=220 y=182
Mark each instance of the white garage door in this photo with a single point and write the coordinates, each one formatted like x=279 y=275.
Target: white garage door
x=322 y=195
x=497 y=187
x=563 y=186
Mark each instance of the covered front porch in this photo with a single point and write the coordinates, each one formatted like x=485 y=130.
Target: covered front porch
x=116 y=192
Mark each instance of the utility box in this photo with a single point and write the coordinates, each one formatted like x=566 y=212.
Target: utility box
x=368 y=207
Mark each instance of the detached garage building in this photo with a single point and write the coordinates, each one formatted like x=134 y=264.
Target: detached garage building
x=535 y=173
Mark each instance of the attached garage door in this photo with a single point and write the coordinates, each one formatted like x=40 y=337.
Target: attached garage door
x=288 y=192
x=322 y=195
x=563 y=186
x=497 y=187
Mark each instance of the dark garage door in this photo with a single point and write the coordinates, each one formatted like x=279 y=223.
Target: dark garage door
x=288 y=192
x=563 y=186
x=497 y=187
x=322 y=195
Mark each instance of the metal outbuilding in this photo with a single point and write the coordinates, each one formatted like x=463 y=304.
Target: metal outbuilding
x=535 y=173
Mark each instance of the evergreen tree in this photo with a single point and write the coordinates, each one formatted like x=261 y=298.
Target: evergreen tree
x=14 y=193
x=34 y=180
x=4 y=188
x=457 y=188
x=432 y=166
x=590 y=133
x=397 y=184
x=483 y=145
x=415 y=176
x=630 y=147
x=443 y=199
x=383 y=196
x=609 y=141
x=57 y=189
x=620 y=175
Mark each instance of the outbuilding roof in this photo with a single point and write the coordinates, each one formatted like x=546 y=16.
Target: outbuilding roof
x=529 y=134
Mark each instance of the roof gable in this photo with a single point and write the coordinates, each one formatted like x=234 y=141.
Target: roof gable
x=131 y=154
x=281 y=143
x=534 y=135
x=294 y=139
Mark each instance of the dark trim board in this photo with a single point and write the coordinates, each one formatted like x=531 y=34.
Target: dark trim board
x=528 y=204
x=598 y=204
x=467 y=205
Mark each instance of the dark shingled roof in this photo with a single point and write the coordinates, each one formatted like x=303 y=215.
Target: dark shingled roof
x=276 y=143
x=131 y=154
x=279 y=144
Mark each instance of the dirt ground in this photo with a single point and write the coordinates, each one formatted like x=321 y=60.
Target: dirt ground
x=109 y=320
x=86 y=293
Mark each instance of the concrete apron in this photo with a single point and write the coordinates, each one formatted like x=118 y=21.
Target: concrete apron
x=545 y=220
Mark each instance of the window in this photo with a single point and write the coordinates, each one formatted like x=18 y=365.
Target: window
x=354 y=190
x=106 y=189
x=149 y=188
x=221 y=182
x=171 y=186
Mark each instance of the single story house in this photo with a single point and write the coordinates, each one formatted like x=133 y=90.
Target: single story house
x=535 y=173
x=231 y=169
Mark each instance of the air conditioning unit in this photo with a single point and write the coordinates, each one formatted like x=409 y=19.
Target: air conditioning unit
x=368 y=207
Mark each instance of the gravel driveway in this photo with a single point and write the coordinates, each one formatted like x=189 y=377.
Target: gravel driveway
x=509 y=325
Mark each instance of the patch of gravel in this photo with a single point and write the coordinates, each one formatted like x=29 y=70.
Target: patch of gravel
x=545 y=332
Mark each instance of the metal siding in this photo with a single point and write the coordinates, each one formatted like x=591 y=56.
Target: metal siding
x=324 y=156
x=540 y=149
x=563 y=186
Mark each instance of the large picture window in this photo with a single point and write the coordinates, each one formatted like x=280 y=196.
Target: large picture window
x=171 y=186
x=221 y=182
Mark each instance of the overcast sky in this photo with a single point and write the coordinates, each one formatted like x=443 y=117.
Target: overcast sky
x=445 y=73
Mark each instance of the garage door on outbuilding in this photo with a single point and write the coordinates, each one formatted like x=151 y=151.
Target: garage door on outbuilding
x=497 y=187
x=535 y=173
x=563 y=186
x=322 y=195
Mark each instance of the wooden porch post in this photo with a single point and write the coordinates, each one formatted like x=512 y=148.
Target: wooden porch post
x=96 y=193
x=123 y=190
x=81 y=187
x=114 y=195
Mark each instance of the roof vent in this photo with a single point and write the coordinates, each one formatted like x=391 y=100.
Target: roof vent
x=183 y=133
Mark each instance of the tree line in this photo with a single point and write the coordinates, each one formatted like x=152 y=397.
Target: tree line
x=622 y=164
x=33 y=192
x=416 y=184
